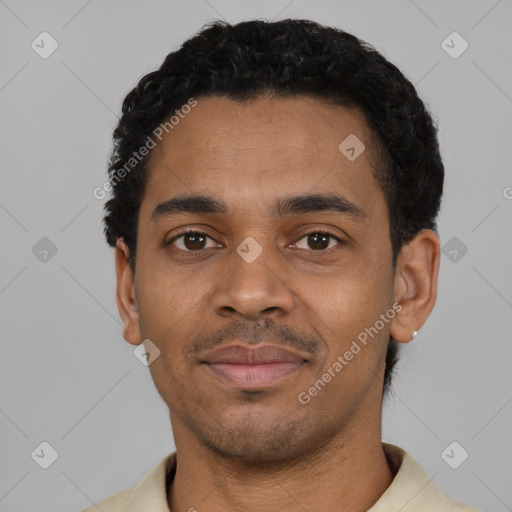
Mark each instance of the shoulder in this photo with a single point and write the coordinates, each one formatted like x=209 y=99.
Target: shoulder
x=148 y=494
x=412 y=490
x=116 y=503
x=455 y=506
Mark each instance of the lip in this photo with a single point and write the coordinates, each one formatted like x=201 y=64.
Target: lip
x=252 y=368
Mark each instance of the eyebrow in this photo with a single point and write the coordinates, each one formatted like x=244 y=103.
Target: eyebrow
x=301 y=204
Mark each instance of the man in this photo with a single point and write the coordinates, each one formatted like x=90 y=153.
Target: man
x=275 y=189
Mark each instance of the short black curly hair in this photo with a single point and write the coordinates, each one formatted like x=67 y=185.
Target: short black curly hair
x=286 y=58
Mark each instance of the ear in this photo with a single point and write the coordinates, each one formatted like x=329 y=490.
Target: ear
x=125 y=295
x=415 y=287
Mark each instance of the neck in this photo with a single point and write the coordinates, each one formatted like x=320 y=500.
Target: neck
x=350 y=474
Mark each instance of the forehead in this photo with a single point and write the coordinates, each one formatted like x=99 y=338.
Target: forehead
x=246 y=152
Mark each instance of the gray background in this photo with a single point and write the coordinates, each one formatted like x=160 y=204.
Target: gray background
x=66 y=374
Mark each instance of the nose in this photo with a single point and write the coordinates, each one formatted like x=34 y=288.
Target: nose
x=253 y=291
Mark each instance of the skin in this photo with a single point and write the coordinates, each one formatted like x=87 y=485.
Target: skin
x=266 y=451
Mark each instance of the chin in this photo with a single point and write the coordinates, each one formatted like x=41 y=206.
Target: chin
x=275 y=441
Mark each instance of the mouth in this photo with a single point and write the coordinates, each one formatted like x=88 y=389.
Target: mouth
x=252 y=369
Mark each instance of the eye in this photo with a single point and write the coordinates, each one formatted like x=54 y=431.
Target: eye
x=192 y=241
x=318 y=241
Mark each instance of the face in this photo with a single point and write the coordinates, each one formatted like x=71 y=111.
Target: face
x=254 y=291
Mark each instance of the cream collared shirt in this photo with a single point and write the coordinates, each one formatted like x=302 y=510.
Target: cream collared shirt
x=410 y=491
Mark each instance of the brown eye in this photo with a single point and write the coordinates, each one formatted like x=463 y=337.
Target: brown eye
x=191 y=241
x=318 y=241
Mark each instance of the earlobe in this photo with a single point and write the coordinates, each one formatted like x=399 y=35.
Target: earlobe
x=415 y=286
x=125 y=295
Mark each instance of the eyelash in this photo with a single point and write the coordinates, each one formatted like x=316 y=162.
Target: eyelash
x=313 y=232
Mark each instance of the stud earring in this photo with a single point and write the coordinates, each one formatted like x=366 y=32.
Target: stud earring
x=414 y=334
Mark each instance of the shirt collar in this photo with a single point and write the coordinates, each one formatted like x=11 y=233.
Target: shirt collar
x=150 y=494
x=410 y=489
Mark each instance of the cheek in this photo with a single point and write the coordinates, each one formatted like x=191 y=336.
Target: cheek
x=165 y=303
x=352 y=299
x=162 y=289
x=345 y=312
